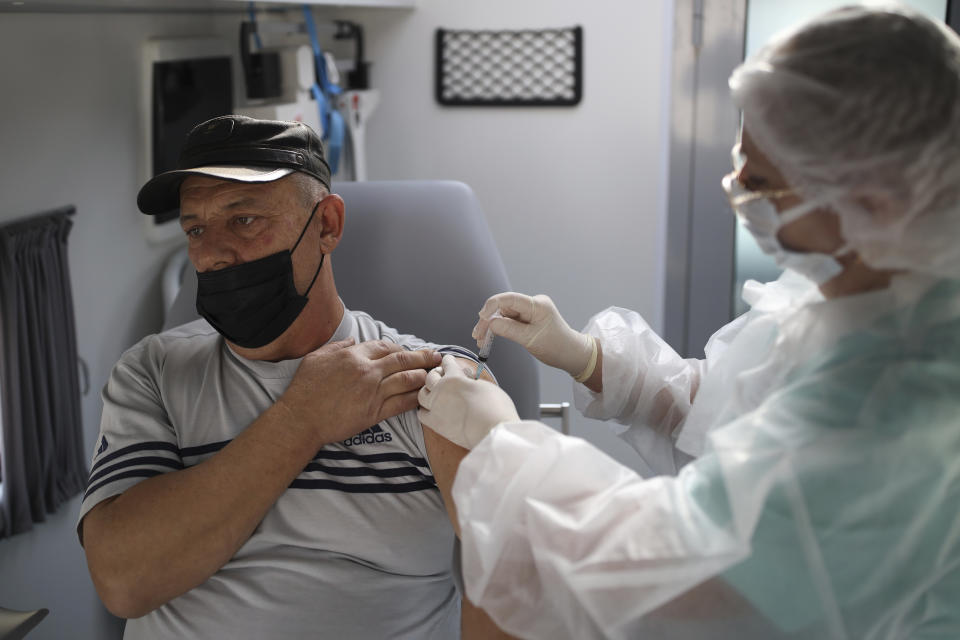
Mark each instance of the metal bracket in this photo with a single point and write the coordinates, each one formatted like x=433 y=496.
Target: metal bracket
x=562 y=411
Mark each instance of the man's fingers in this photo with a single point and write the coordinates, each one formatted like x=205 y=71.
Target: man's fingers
x=407 y=360
x=398 y=404
x=402 y=382
x=377 y=349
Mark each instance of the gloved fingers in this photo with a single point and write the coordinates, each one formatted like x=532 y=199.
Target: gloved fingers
x=480 y=329
x=452 y=368
x=515 y=305
x=510 y=329
x=490 y=307
x=496 y=302
x=425 y=397
x=433 y=377
x=509 y=304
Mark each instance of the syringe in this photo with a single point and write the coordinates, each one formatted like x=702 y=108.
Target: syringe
x=484 y=353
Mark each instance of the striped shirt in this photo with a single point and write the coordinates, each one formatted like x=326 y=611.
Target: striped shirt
x=358 y=547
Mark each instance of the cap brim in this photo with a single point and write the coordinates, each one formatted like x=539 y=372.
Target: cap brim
x=162 y=193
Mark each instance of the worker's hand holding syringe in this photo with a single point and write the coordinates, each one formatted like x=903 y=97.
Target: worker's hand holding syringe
x=534 y=323
x=464 y=410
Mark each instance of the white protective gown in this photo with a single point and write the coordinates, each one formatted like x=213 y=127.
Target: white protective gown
x=823 y=502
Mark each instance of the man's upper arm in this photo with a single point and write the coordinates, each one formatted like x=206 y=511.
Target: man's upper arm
x=471 y=368
x=444 y=459
x=136 y=440
x=445 y=456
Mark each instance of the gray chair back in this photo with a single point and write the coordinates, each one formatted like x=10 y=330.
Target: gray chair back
x=419 y=256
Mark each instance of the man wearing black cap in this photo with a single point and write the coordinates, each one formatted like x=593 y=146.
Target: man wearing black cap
x=238 y=489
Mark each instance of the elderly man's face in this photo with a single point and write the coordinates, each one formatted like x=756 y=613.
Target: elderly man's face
x=229 y=223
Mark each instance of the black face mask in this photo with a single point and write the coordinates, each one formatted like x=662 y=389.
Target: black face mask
x=253 y=303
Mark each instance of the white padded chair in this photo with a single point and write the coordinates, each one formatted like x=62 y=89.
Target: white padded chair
x=419 y=256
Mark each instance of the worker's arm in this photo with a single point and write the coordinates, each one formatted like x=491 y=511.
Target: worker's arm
x=624 y=546
x=168 y=534
x=714 y=604
x=650 y=386
x=719 y=608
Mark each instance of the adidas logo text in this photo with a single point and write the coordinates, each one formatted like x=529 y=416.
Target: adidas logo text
x=372 y=435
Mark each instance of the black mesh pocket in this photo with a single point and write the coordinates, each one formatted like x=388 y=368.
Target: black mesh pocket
x=509 y=68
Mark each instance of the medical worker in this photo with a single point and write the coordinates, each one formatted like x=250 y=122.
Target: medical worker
x=810 y=464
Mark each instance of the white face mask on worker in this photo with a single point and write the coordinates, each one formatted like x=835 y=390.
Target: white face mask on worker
x=763 y=221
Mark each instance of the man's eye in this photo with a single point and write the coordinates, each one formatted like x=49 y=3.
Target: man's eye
x=194 y=232
x=245 y=220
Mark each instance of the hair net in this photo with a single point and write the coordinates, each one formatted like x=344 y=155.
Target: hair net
x=861 y=107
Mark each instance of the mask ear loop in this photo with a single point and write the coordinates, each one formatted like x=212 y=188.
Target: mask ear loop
x=305 y=227
x=297 y=243
x=315 y=274
x=748 y=196
x=794 y=213
x=808 y=207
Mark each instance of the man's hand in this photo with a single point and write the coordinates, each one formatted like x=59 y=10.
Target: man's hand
x=341 y=388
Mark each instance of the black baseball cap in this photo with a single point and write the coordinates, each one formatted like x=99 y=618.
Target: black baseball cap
x=241 y=149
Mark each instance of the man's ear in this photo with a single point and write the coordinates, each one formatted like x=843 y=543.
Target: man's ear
x=331 y=215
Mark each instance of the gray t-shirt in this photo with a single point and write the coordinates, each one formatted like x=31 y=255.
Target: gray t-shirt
x=358 y=547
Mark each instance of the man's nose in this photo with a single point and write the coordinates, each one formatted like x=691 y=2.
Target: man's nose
x=214 y=253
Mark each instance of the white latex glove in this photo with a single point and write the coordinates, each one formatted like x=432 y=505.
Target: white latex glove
x=535 y=323
x=461 y=409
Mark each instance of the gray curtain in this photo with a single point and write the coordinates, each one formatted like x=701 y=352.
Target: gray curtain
x=43 y=462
